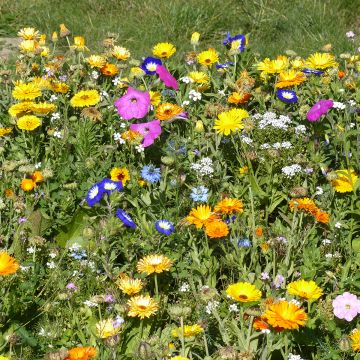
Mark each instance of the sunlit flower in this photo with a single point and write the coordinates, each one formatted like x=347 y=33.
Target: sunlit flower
x=189 y=331
x=278 y=65
x=355 y=339
x=208 y=57
x=37 y=177
x=166 y=77
x=120 y=53
x=27 y=184
x=85 y=98
x=60 y=87
x=164 y=50
x=199 y=77
x=346 y=306
x=96 y=61
x=109 y=70
x=28 y=46
x=155 y=98
x=125 y=218
x=8 y=264
x=260 y=323
x=164 y=227
x=26 y=91
x=230 y=121
x=243 y=292
x=94 y=194
x=287 y=96
x=322 y=216
x=5 y=131
x=239 y=98
x=21 y=108
x=28 y=33
x=201 y=216
x=43 y=108
x=216 y=229
x=168 y=111
x=321 y=61
x=345 y=181
x=142 y=306
x=150 y=65
x=28 y=122
x=305 y=289
x=305 y=204
x=134 y=104
x=81 y=353
x=195 y=36
x=79 y=43
x=154 y=264
x=120 y=174
x=229 y=206
x=107 y=328
x=129 y=286
x=290 y=78
x=64 y=31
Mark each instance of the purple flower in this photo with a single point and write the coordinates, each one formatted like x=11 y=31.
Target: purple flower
x=134 y=104
x=166 y=77
x=287 y=95
x=71 y=286
x=279 y=279
x=346 y=306
x=150 y=64
x=125 y=218
x=319 y=109
x=150 y=131
x=109 y=298
x=94 y=194
x=22 y=220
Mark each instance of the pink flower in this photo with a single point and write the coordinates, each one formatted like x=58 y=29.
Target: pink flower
x=319 y=109
x=150 y=131
x=166 y=77
x=346 y=306
x=134 y=104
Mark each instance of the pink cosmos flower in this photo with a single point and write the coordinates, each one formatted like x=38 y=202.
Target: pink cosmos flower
x=319 y=109
x=150 y=131
x=166 y=77
x=134 y=104
x=346 y=306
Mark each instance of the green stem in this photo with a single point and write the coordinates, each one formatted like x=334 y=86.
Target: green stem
x=156 y=286
x=206 y=345
x=182 y=337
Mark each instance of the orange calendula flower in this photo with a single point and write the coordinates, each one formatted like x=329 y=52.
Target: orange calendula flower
x=8 y=264
x=168 y=111
x=81 y=353
x=129 y=286
x=142 y=306
x=201 y=216
x=131 y=135
x=305 y=204
x=239 y=98
x=243 y=292
x=37 y=177
x=285 y=315
x=304 y=289
x=290 y=78
x=27 y=184
x=9 y=194
x=120 y=174
x=229 y=206
x=258 y=231
x=154 y=264
x=322 y=216
x=216 y=229
x=260 y=323
x=109 y=70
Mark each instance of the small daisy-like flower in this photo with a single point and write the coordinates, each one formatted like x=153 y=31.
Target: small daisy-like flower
x=125 y=218
x=243 y=292
x=120 y=174
x=96 y=61
x=94 y=194
x=305 y=289
x=142 y=306
x=189 y=331
x=229 y=206
x=109 y=186
x=355 y=339
x=120 y=53
x=28 y=91
x=28 y=33
x=216 y=229
x=201 y=216
x=129 y=286
x=290 y=78
x=109 y=69
x=287 y=96
x=208 y=57
x=164 y=50
x=150 y=64
x=321 y=61
x=85 y=98
x=154 y=264
x=165 y=227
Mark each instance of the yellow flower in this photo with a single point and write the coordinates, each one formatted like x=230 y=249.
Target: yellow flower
x=5 y=131
x=155 y=98
x=129 y=286
x=285 y=315
x=85 y=98
x=28 y=122
x=199 y=77
x=239 y=97
x=244 y=170
x=229 y=206
x=179 y=358
x=305 y=289
x=60 y=87
x=81 y=353
x=79 y=43
x=28 y=33
x=96 y=61
x=216 y=229
x=230 y=121
x=154 y=264
x=345 y=181
x=8 y=265
x=305 y=204
x=290 y=78
x=189 y=331
x=321 y=61
x=27 y=184
x=106 y=328
x=273 y=66
x=137 y=71
x=167 y=111
x=355 y=339
x=44 y=51
x=26 y=91
x=42 y=83
x=201 y=216
x=20 y=109
x=164 y=50
x=42 y=40
x=142 y=306
x=120 y=53
x=297 y=64
x=208 y=57
x=28 y=46
x=43 y=108
x=54 y=36
x=64 y=31
x=109 y=70
x=195 y=36
x=243 y=292
x=120 y=174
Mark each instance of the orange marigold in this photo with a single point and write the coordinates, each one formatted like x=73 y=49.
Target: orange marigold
x=8 y=264
x=229 y=206
x=258 y=231
x=81 y=353
x=322 y=216
x=109 y=70
x=260 y=323
x=216 y=229
x=37 y=177
x=201 y=215
x=27 y=184
x=305 y=204
x=239 y=98
x=167 y=111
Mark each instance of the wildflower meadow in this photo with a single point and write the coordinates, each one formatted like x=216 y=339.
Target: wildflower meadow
x=197 y=204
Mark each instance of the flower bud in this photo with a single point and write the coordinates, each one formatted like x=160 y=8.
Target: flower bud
x=195 y=38
x=199 y=126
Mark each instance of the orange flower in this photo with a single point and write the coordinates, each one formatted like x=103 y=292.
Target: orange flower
x=260 y=323
x=290 y=78
x=264 y=247
x=8 y=264
x=216 y=229
x=81 y=353
x=305 y=204
x=229 y=206
x=167 y=111
x=202 y=215
x=37 y=177
x=239 y=98
x=8 y=193
x=258 y=231
x=341 y=74
x=322 y=216
x=27 y=184
x=131 y=135
x=109 y=70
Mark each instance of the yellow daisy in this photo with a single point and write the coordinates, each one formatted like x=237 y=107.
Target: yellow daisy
x=355 y=339
x=321 y=61
x=201 y=216
x=28 y=46
x=28 y=122
x=230 y=121
x=199 y=77
x=28 y=33
x=155 y=98
x=120 y=174
x=26 y=91
x=120 y=53
x=290 y=78
x=208 y=57
x=129 y=286
x=96 y=61
x=21 y=109
x=243 y=292
x=189 y=331
x=79 y=43
x=345 y=181
x=85 y=98
x=164 y=50
x=43 y=108
x=229 y=206
x=168 y=111
x=105 y=328
x=154 y=264
x=305 y=289
x=5 y=131
x=142 y=306
x=8 y=264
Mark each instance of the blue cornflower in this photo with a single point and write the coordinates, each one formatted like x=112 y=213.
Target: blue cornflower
x=109 y=186
x=150 y=64
x=151 y=173
x=245 y=243
x=311 y=71
x=125 y=218
x=94 y=194
x=199 y=194
x=287 y=96
x=165 y=227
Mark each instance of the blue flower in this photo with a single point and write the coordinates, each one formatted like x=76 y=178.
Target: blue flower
x=94 y=194
x=240 y=38
x=245 y=243
x=230 y=219
x=165 y=227
x=151 y=173
x=199 y=194
x=109 y=186
x=311 y=71
x=224 y=65
x=287 y=96
x=150 y=64
x=125 y=218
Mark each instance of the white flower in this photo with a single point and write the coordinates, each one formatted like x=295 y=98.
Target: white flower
x=319 y=190
x=211 y=306
x=75 y=247
x=57 y=134
x=294 y=357
x=203 y=167
x=221 y=92
x=55 y=116
x=24 y=268
x=53 y=255
x=116 y=81
x=51 y=265
x=352 y=102
x=292 y=170
x=269 y=119
x=123 y=125
x=246 y=139
x=185 y=287
x=38 y=165
x=329 y=256
x=95 y=75
x=300 y=129
x=338 y=225
x=53 y=98
x=139 y=148
x=265 y=331
x=194 y=95
x=30 y=250
x=117 y=136
x=233 y=308
x=104 y=94
x=295 y=302
x=185 y=103
x=265 y=146
x=326 y=241
x=339 y=105
x=286 y=145
x=350 y=34
x=186 y=79
x=90 y=303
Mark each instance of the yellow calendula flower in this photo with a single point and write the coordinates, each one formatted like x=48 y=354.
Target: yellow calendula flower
x=297 y=64
x=195 y=36
x=229 y=206
x=28 y=33
x=43 y=108
x=79 y=43
x=164 y=50
x=243 y=292
x=168 y=111
x=64 y=31
x=278 y=65
x=137 y=71
x=60 y=87
x=120 y=53
x=244 y=170
x=85 y=98
x=321 y=61
x=154 y=264
x=28 y=122
x=290 y=78
x=129 y=286
x=304 y=289
x=355 y=339
x=42 y=83
x=155 y=98
x=5 y=131
x=44 y=51
x=199 y=77
x=142 y=306
x=28 y=46
x=216 y=229
x=345 y=181
x=21 y=109
x=96 y=61
x=189 y=331
x=107 y=328
x=26 y=91
x=230 y=121
x=201 y=216
x=42 y=39
x=120 y=174
x=179 y=357
x=208 y=57
x=54 y=36
x=8 y=264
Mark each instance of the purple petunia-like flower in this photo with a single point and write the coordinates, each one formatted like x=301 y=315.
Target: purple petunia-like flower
x=319 y=109
x=134 y=104
x=166 y=77
x=125 y=218
x=150 y=131
x=346 y=306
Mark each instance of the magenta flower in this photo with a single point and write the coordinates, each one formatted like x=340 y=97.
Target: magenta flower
x=166 y=77
x=319 y=109
x=346 y=306
x=134 y=104
x=150 y=131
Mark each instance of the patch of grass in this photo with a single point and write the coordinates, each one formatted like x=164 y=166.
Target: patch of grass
x=273 y=26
